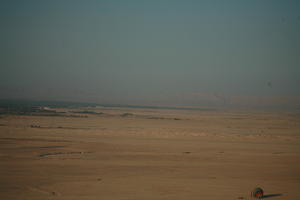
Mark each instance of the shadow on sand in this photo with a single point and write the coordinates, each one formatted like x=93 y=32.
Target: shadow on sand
x=270 y=195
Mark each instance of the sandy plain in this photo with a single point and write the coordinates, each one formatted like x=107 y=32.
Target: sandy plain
x=161 y=154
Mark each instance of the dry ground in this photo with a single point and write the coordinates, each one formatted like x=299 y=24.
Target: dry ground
x=150 y=154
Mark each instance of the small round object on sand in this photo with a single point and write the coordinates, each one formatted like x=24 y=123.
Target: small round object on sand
x=257 y=193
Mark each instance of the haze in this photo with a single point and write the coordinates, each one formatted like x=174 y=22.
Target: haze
x=151 y=52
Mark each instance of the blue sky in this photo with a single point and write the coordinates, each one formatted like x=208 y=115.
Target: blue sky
x=108 y=50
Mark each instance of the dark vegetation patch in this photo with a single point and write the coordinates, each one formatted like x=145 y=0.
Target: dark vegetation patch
x=34 y=139
x=57 y=127
x=156 y=107
x=43 y=147
x=153 y=117
x=127 y=115
x=88 y=112
x=62 y=153
x=148 y=117
x=161 y=118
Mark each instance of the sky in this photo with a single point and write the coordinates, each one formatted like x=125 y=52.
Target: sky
x=148 y=52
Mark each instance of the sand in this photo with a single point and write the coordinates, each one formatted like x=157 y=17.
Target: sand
x=134 y=154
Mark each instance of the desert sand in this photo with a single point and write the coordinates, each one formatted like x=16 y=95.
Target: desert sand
x=147 y=154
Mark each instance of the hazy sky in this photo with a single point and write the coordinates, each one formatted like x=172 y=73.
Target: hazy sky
x=145 y=49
